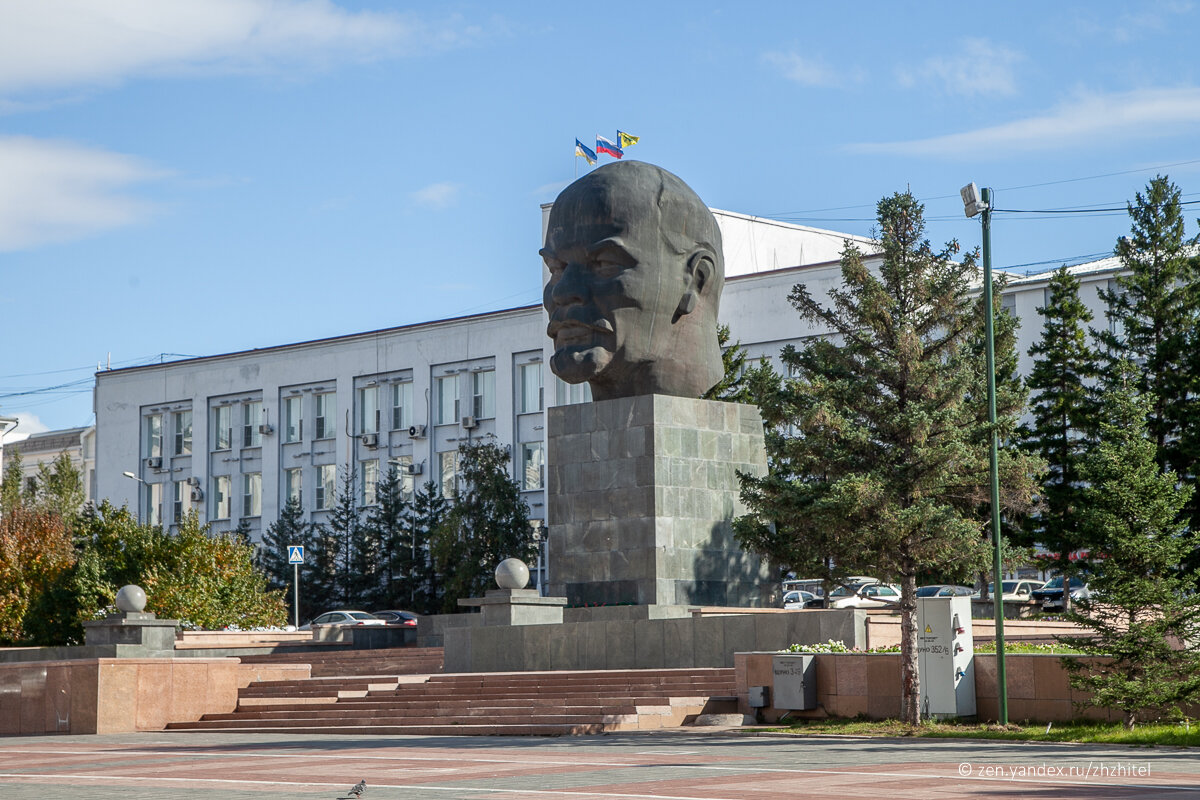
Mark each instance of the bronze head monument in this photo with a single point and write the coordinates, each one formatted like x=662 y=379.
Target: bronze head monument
x=636 y=272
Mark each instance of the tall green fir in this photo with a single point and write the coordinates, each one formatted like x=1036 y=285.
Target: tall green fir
x=271 y=557
x=1143 y=619
x=1062 y=418
x=487 y=523
x=1153 y=313
x=427 y=514
x=874 y=437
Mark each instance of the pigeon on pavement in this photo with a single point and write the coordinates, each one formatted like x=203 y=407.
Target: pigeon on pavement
x=356 y=791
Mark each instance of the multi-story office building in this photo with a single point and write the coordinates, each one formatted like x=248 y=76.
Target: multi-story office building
x=235 y=435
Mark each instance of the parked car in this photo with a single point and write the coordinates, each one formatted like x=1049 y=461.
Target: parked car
x=944 y=590
x=394 y=617
x=1014 y=591
x=344 y=617
x=865 y=595
x=1051 y=595
x=799 y=599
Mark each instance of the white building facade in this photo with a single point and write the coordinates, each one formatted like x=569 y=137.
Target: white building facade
x=235 y=436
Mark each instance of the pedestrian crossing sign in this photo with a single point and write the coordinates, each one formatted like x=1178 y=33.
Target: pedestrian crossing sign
x=295 y=554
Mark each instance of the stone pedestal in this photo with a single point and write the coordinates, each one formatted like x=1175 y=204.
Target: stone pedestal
x=135 y=630
x=642 y=495
x=517 y=607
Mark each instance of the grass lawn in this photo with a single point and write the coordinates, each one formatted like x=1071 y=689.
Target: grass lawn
x=1150 y=735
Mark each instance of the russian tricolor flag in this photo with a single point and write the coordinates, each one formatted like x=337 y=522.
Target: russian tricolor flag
x=605 y=146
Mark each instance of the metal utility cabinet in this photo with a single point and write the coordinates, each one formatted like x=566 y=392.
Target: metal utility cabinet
x=945 y=657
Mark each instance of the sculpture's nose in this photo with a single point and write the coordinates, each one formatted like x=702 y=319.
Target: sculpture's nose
x=571 y=286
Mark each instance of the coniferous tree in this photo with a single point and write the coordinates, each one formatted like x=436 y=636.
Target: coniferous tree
x=488 y=523
x=60 y=490
x=1062 y=412
x=11 y=488
x=345 y=530
x=427 y=514
x=874 y=446
x=1143 y=615
x=1153 y=315
x=272 y=555
x=388 y=528
x=734 y=386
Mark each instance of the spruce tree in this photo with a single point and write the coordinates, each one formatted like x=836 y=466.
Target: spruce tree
x=1061 y=413
x=1144 y=616
x=1153 y=314
x=345 y=532
x=734 y=386
x=60 y=490
x=12 y=491
x=272 y=554
x=488 y=523
x=874 y=444
x=426 y=515
x=389 y=530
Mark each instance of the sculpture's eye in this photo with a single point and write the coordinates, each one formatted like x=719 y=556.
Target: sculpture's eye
x=607 y=268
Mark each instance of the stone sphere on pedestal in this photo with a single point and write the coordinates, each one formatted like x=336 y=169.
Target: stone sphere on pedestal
x=131 y=598
x=512 y=574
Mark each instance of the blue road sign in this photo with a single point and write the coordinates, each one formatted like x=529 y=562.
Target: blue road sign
x=295 y=554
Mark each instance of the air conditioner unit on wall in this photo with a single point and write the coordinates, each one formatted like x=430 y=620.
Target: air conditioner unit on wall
x=193 y=481
x=412 y=469
x=197 y=494
x=370 y=439
x=154 y=462
x=416 y=432
x=265 y=430
x=470 y=422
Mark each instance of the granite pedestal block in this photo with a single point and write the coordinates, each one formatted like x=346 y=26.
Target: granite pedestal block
x=138 y=631
x=517 y=607
x=642 y=495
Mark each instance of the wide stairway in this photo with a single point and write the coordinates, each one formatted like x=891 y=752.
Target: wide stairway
x=502 y=703
x=339 y=663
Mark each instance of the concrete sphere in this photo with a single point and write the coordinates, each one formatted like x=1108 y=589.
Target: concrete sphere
x=512 y=574
x=131 y=598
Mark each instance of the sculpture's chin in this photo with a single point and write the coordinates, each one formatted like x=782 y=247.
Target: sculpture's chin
x=578 y=364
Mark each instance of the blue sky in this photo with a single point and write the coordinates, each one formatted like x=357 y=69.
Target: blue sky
x=201 y=177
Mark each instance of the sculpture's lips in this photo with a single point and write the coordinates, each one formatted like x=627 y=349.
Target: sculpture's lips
x=576 y=326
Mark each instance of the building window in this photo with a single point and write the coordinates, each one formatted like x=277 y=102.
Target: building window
x=293 y=481
x=1008 y=304
x=530 y=378
x=183 y=433
x=251 y=419
x=181 y=501
x=447 y=400
x=326 y=423
x=403 y=467
x=533 y=466
x=367 y=482
x=368 y=409
x=326 y=486
x=152 y=513
x=402 y=405
x=252 y=494
x=293 y=424
x=448 y=473
x=153 y=437
x=483 y=394
x=222 y=427
x=570 y=393
x=220 y=497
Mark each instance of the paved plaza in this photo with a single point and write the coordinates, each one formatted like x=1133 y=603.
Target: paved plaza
x=676 y=765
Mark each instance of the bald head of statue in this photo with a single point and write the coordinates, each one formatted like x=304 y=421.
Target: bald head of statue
x=636 y=272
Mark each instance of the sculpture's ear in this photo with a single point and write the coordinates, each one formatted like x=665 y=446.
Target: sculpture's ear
x=700 y=269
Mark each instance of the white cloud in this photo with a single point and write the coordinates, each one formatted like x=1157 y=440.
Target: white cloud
x=57 y=191
x=438 y=195
x=57 y=43
x=808 y=71
x=27 y=424
x=977 y=68
x=1094 y=119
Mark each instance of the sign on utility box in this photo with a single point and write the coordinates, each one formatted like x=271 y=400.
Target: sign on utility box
x=795 y=682
x=945 y=657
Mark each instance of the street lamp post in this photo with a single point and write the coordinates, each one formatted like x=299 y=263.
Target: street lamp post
x=974 y=203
